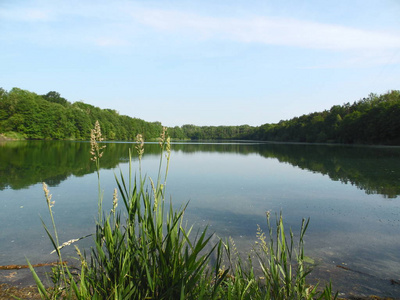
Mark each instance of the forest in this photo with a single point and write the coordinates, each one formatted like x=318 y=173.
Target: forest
x=51 y=116
x=371 y=120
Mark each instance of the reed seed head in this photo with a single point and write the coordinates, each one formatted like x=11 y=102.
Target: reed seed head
x=162 y=138
x=81 y=257
x=233 y=245
x=140 y=145
x=168 y=147
x=95 y=139
x=155 y=194
x=115 y=200
x=48 y=196
x=67 y=243
x=261 y=239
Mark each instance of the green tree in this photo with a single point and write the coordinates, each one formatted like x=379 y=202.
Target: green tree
x=56 y=98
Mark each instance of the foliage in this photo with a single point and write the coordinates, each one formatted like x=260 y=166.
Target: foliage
x=283 y=268
x=194 y=132
x=51 y=116
x=152 y=255
x=371 y=120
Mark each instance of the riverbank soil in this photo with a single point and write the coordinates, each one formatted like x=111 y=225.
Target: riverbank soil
x=20 y=283
x=30 y=292
x=8 y=292
x=17 y=281
x=12 y=292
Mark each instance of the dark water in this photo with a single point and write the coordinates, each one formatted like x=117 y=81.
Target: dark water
x=350 y=193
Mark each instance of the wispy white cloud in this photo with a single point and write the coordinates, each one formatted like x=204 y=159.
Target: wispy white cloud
x=269 y=31
x=120 y=23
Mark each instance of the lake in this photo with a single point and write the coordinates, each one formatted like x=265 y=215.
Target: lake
x=350 y=194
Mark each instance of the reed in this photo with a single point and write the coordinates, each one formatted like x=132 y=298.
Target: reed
x=144 y=250
x=282 y=263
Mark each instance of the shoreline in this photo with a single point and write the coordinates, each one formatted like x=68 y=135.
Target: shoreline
x=19 y=282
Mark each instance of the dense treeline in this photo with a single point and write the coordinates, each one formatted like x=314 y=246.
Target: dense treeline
x=193 y=132
x=371 y=120
x=51 y=116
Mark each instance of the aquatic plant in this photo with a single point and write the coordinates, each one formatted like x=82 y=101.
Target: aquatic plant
x=151 y=254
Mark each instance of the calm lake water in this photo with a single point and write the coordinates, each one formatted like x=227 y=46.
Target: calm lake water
x=350 y=193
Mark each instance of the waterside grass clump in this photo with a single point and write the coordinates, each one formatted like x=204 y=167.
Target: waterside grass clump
x=144 y=250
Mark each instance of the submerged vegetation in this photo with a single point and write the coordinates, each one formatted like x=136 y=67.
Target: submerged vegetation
x=371 y=120
x=144 y=251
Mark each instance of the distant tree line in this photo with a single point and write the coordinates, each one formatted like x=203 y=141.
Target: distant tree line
x=51 y=116
x=371 y=120
x=193 y=132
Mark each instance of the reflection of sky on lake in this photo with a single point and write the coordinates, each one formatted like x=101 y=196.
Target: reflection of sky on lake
x=230 y=192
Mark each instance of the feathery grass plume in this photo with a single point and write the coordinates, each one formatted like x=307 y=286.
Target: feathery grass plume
x=48 y=196
x=168 y=146
x=50 y=204
x=97 y=153
x=165 y=145
x=162 y=138
x=153 y=188
x=115 y=201
x=165 y=141
x=81 y=257
x=168 y=149
x=59 y=272
x=261 y=239
x=67 y=243
x=140 y=150
x=70 y=242
x=95 y=139
x=140 y=145
x=233 y=245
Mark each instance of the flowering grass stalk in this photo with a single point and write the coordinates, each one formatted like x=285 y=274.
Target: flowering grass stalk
x=63 y=281
x=97 y=152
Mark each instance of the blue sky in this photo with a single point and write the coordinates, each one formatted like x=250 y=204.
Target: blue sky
x=202 y=62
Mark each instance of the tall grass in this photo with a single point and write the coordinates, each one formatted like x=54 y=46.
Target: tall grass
x=144 y=251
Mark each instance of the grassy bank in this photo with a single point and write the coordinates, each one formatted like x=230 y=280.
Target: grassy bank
x=143 y=249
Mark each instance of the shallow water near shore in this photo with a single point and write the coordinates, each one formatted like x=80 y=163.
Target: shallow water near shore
x=350 y=194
